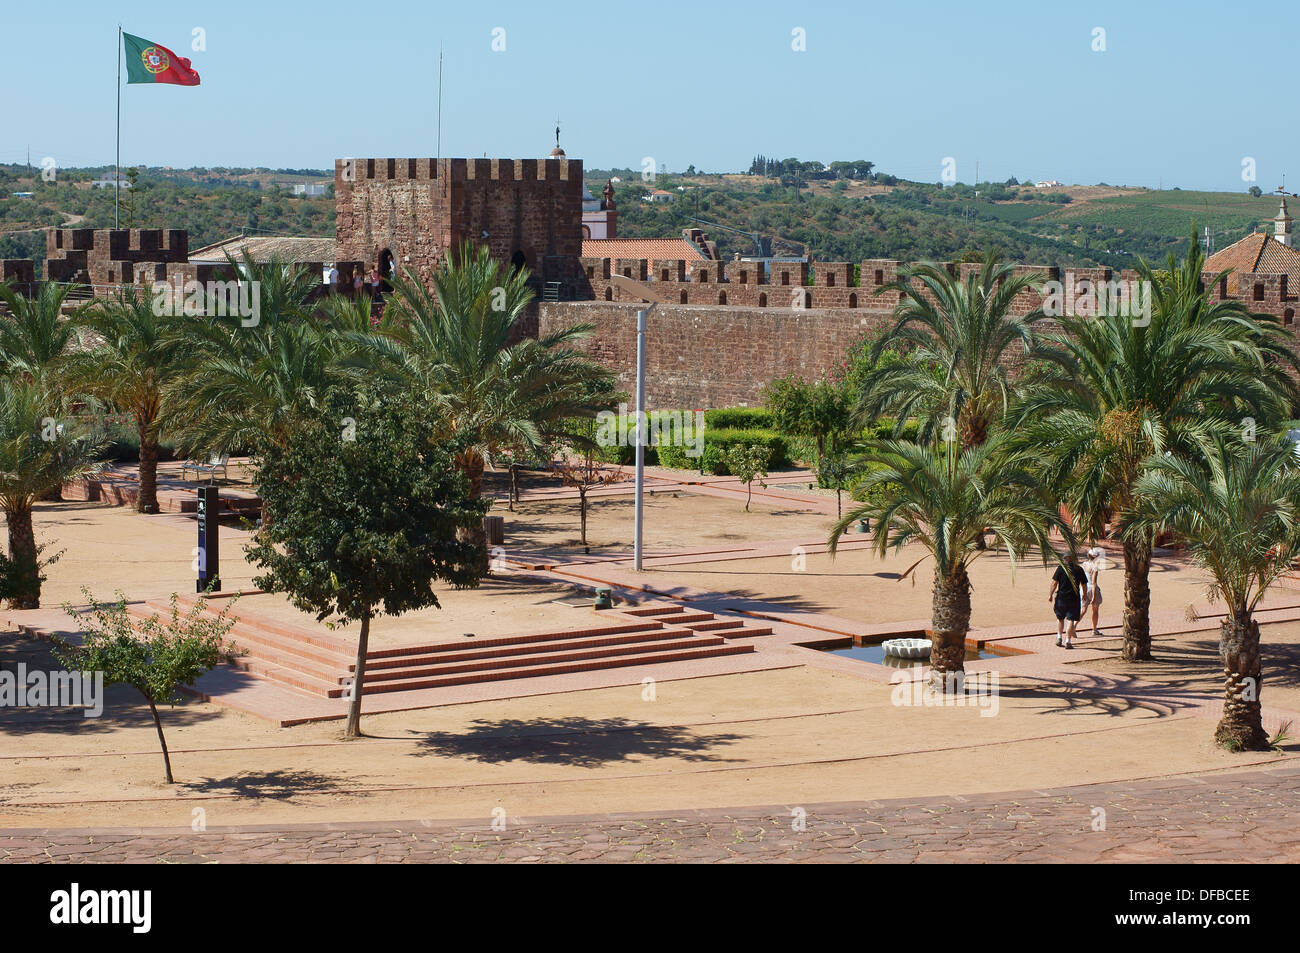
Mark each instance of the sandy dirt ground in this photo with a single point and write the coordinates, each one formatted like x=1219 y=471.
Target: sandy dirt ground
x=862 y=586
x=785 y=736
x=683 y=521
x=771 y=737
x=1189 y=662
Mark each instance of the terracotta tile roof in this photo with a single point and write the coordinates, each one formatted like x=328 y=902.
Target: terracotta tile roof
x=264 y=248
x=649 y=248
x=1259 y=253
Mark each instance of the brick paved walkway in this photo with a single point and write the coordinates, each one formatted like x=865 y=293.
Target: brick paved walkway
x=1241 y=816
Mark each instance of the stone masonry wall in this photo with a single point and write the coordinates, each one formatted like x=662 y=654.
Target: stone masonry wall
x=735 y=328
x=419 y=209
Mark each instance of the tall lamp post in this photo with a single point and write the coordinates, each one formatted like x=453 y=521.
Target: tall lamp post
x=651 y=297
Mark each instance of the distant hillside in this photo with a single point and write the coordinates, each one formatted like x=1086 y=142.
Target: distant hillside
x=852 y=220
x=211 y=203
x=827 y=214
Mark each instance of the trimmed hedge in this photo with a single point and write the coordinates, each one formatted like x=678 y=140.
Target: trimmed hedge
x=717 y=440
x=739 y=418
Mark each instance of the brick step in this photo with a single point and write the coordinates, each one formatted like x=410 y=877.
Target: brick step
x=527 y=648
x=712 y=625
x=740 y=630
x=652 y=610
x=686 y=616
x=553 y=668
x=680 y=641
x=300 y=636
x=466 y=645
x=286 y=675
x=285 y=650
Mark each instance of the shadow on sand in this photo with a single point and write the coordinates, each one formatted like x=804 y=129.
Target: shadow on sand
x=576 y=741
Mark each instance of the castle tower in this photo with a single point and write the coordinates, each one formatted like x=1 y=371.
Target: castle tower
x=415 y=212
x=1282 y=225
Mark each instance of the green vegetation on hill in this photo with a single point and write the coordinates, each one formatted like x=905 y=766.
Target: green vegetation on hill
x=212 y=204
x=849 y=217
x=844 y=212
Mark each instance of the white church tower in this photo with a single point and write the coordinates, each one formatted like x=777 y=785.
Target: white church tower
x=1282 y=225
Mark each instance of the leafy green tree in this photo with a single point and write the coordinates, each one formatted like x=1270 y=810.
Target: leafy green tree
x=1133 y=387
x=1238 y=511
x=38 y=453
x=943 y=500
x=955 y=334
x=153 y=656
x=747 y=463
x=366 y=519
x=131 y=365
x=816 y=410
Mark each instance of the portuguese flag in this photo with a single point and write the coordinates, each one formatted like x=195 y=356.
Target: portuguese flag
x=149 y=62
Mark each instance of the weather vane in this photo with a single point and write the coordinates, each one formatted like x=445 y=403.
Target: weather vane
x=557 y=133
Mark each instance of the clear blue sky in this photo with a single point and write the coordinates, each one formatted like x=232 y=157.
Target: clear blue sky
x=1183 y=91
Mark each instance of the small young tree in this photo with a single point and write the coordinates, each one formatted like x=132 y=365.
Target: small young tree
x=833 y=471
x=153 y=656
x=584 y=472
x=747 y=463
x=366 y=518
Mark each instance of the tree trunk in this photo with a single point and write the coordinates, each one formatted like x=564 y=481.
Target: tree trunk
x=157 y=724
x=950 y=618
x=358 y=681
x=749 y=490
x=148 y=499
x=23 y=554
x=514 y=486
x=472 y=466
x=1137 y=599
x=1241 y=727
x=582 y=509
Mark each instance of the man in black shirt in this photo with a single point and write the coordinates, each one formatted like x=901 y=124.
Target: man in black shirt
x=1067 y=599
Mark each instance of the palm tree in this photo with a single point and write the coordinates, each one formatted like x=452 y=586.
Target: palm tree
x=1129 y=388
x=283 y=289
x=34 y=333
x=133 y=360
x=459 y=348
x=245 y=385
x=249 y=381
x=944 y=499
x=1238 y=511
x=36 y=455
x=955 y=334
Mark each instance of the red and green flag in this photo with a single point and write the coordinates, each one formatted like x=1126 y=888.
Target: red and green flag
x=149 y=62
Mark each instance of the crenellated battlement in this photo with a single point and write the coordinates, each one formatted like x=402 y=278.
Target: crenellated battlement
x=353 y=170
x=829 y=285
x=108 y=256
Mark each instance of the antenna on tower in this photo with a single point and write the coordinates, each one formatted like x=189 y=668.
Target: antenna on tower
x=439 y=100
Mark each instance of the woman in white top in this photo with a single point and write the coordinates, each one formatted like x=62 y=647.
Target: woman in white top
x=1092 y=596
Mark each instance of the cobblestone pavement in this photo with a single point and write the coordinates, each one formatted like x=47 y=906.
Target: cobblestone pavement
x=1242 y=816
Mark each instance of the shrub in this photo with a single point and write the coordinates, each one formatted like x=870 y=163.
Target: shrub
x=716 y=442
x=739 y=418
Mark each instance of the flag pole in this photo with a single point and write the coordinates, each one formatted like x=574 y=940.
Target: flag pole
x=117 y=175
